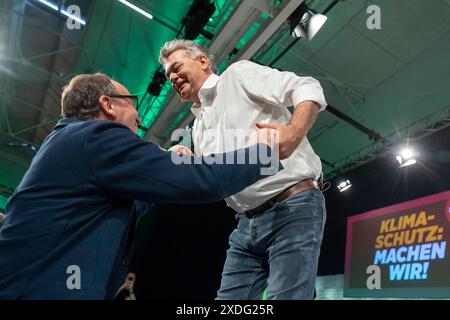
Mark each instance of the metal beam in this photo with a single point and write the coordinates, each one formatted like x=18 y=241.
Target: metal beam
x=11 y=26
x=25 y=62
x=26 y=103
x=374 y=136
x=37 y=23
x=328 y=76
x=168 y=114
x=391 y=141
x=188 y=118
x=245 y=14
x=116 y=49
x=262 y=37
x=6 y=116
x=52 y=53
x=220 y=47
x=18 y=139
x=6 y=190
x=105 y=23
x=267 y=30
x=243 y=17
x=35 y=126
x=56 y=45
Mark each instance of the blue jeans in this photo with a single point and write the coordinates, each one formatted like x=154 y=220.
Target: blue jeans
x=278 y=249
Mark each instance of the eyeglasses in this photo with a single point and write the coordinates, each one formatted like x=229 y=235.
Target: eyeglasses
x=134 y=98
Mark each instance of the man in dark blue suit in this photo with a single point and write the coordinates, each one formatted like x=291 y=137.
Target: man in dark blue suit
x=69 y=226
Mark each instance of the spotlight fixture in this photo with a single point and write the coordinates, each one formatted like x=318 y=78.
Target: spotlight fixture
x=406 y=157
x=158 y=81
x=197 y=17
x=344 y=185
x=305 y=23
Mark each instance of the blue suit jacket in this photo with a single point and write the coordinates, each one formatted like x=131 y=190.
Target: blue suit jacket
x=76 y=206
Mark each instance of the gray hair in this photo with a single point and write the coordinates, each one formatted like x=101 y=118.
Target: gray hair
x=195 y=50
x=80 y=98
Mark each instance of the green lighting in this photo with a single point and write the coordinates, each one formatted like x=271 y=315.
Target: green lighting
x=251 y=31
x=221 y=16
x=152 y=107
x=3 y=201
x=177 y=120
x=264 y=295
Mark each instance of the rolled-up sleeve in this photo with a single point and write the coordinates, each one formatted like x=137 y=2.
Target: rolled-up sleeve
x=311 y=90
x=279 y=88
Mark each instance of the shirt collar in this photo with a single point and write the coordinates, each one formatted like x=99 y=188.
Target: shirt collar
x=205 y=92
x=210 y=83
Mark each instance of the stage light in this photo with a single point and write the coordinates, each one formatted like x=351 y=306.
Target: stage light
x=305 y=23
x=406 y=157
x=197 y=17
x=132 y=6
x=49 y=4
x=158 y=81
x=344 y=185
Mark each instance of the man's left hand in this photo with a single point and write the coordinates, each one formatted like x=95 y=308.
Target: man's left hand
x=289 y=138
x=291 y=134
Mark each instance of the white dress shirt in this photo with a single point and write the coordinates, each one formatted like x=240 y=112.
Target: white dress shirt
x=245 y=94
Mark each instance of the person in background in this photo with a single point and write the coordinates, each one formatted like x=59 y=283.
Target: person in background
x=126 y=291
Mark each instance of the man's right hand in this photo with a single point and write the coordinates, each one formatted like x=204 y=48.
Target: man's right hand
x=180 y=150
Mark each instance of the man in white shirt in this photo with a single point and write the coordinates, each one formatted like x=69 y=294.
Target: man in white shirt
x=281 y=218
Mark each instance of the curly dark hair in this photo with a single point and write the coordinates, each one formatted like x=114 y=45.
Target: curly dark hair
x=80 y=98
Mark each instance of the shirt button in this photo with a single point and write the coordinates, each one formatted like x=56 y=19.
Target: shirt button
x=125 y=262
